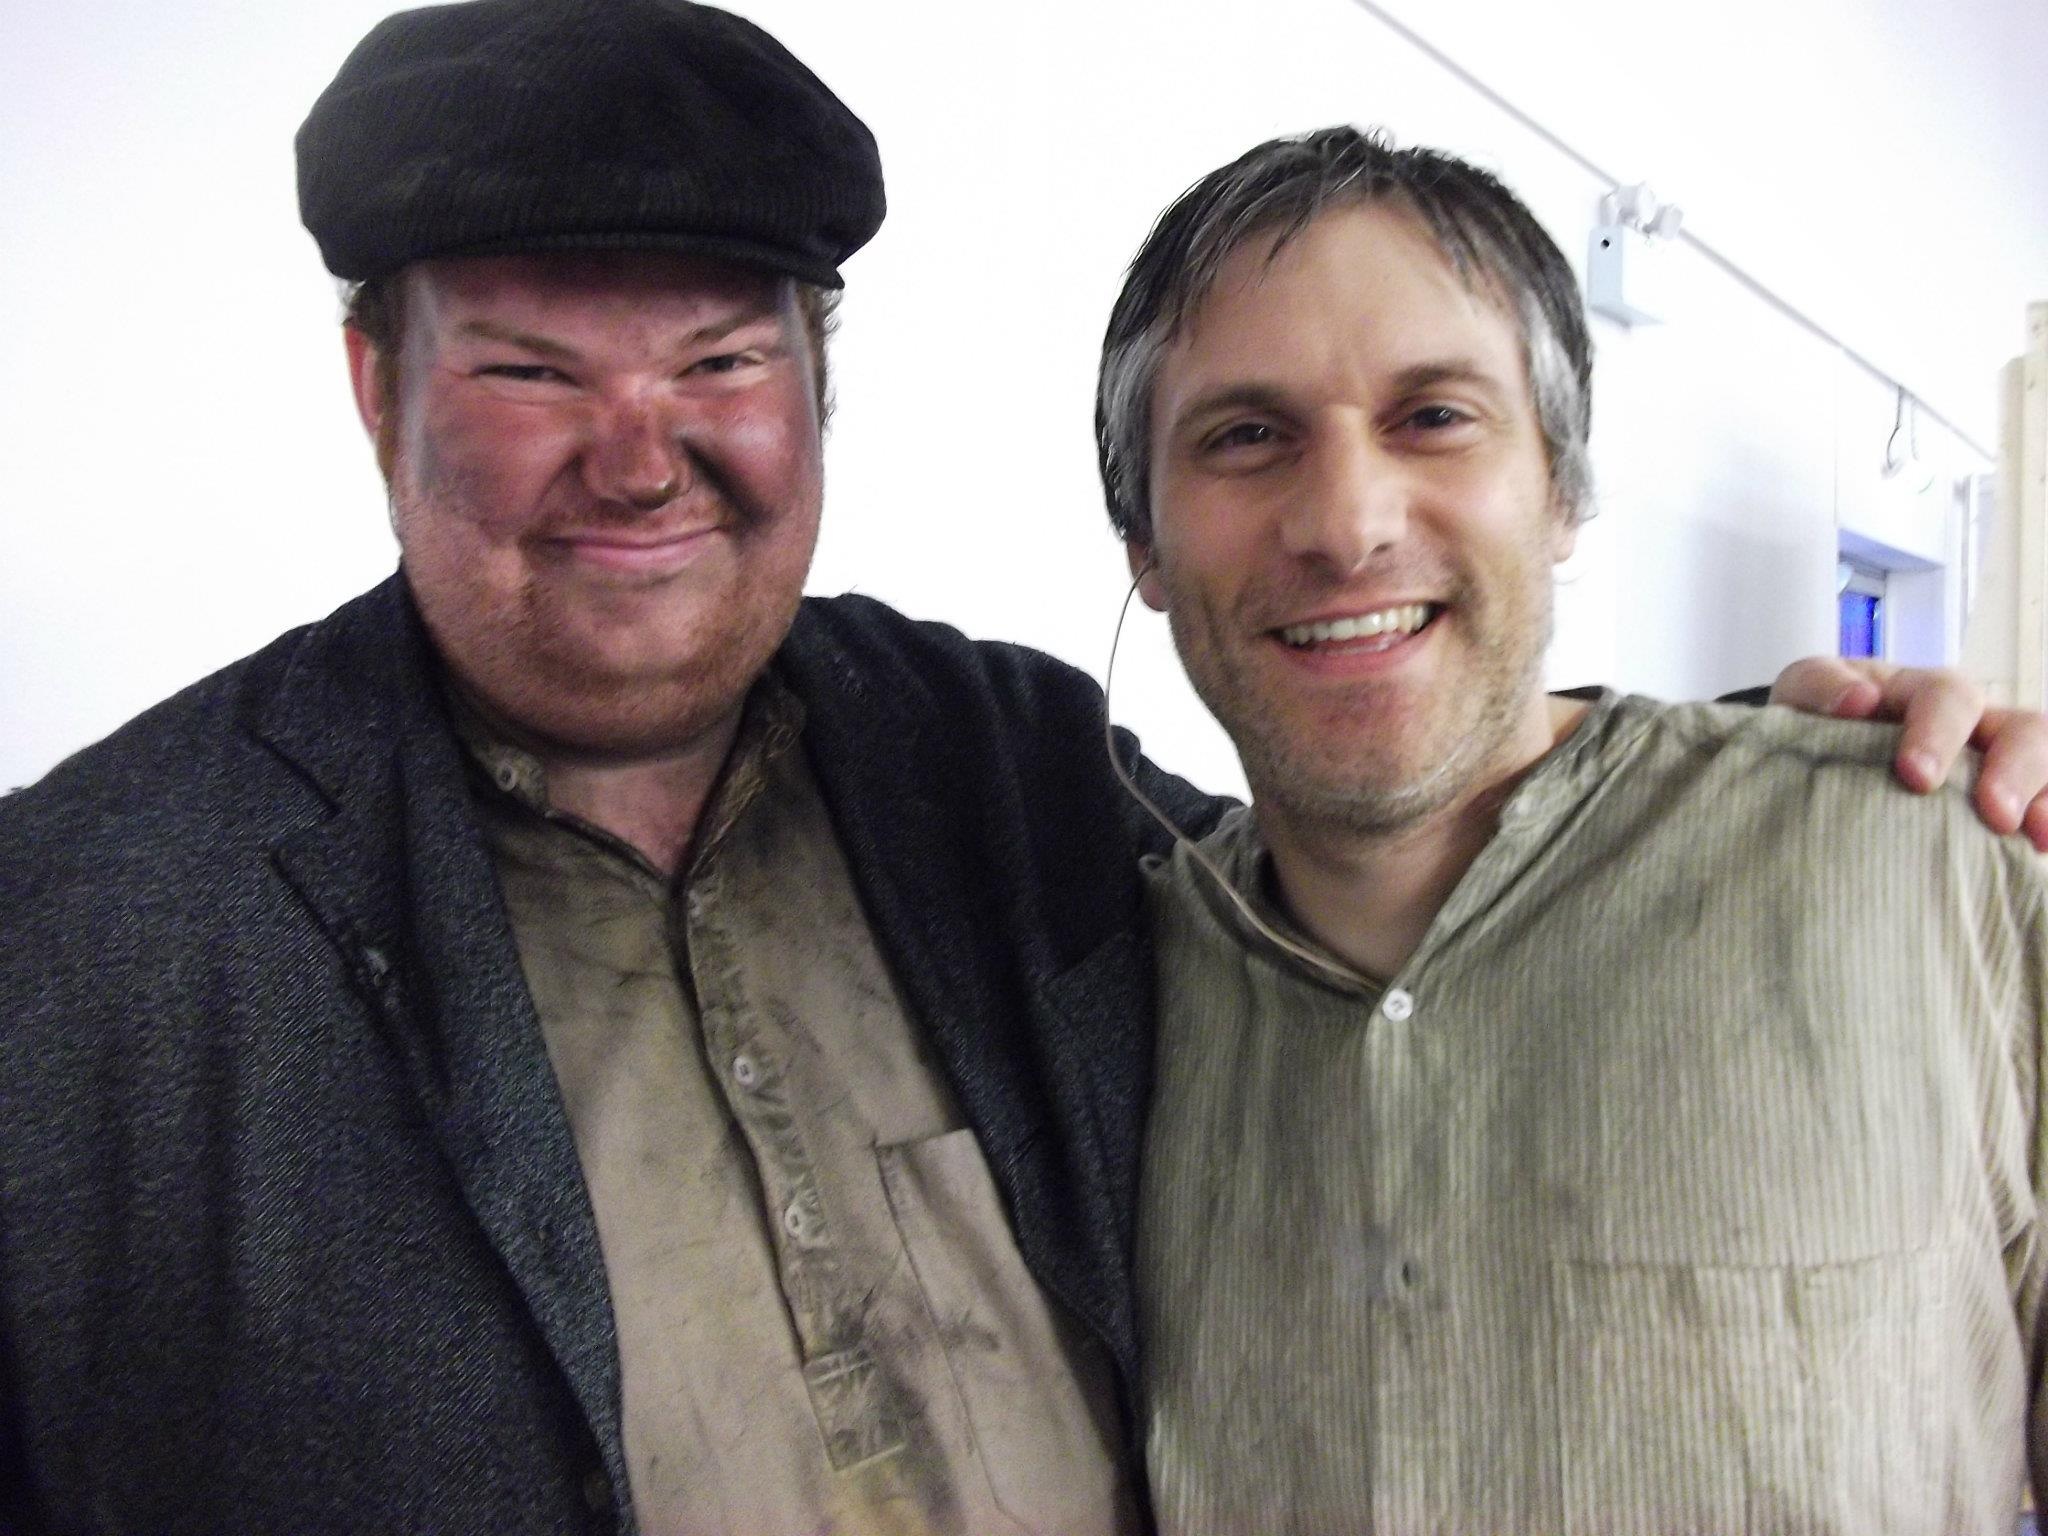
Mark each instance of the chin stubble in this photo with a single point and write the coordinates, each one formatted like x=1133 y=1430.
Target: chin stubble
x=1289 y=779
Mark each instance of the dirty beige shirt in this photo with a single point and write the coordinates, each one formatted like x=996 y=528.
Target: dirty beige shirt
x=1685 y=1180
x=824 y=1323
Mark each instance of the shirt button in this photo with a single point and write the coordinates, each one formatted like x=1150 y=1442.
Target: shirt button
x=1397 y=1005
x=793 y=1221
x=597 y=1491
x=744 y=1071
x=1404 y=1279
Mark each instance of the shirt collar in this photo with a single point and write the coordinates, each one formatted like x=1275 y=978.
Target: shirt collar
x=771 y=720
x=1560 y=781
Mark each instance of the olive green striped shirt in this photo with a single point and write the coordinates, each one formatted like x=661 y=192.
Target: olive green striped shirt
x=1683 y=1181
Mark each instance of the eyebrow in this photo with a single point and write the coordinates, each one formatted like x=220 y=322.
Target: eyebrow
x=1232 y=397
x=489 y=330
x=1253 y=395
x=1456 y=370
x=543 y=346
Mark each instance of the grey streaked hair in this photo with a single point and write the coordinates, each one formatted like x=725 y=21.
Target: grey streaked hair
x=1274 y=192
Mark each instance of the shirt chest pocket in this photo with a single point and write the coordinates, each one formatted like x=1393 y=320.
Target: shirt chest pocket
x=1736 y=1398
x=1038 y=1402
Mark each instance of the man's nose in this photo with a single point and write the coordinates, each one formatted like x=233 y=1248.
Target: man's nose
x=1350 y=504
x=638 y=457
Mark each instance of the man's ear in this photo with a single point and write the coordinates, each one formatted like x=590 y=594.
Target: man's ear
x=1145 y=571
x=1564 y=535
x=366 y=379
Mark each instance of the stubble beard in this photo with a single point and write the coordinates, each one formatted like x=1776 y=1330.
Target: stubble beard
x=1363 y=792
x=531 y=658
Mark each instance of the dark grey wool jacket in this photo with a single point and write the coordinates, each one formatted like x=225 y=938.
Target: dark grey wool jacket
x=292 y=1233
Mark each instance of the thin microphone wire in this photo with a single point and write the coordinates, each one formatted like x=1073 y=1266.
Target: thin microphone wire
x=1300 y=952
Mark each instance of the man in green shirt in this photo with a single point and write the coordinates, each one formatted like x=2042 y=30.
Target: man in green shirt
x=1569 y=1117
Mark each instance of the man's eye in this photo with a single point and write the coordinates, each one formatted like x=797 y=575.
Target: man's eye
x=524 y=373
x=1243 y=434
x=1436 y=418
x=725 y=362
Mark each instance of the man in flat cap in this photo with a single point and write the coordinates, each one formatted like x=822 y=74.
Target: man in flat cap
x=517 y=1065
x=582 y=1038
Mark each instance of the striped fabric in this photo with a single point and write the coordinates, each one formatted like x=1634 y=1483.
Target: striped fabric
x=1684 y=1181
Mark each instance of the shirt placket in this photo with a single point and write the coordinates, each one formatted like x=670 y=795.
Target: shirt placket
x=1402 y=1260
x=855 y=1404
x=1409 y=1057
x=1420 y=1053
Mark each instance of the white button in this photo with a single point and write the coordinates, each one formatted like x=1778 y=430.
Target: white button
x=744 y=1072
x=793 y=1219
x=1397 y=1005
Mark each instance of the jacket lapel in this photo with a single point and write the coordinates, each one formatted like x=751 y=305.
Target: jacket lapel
x=399 y=877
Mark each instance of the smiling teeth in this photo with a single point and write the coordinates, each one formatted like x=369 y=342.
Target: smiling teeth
x=1385 y=621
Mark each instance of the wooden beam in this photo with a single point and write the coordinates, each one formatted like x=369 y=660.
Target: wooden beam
x=2023 y=477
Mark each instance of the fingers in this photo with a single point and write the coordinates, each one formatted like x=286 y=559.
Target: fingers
x=1940 y=710
x=2012 y=785
x=1941 y=713
x=1831 y=685
x=2034 y=825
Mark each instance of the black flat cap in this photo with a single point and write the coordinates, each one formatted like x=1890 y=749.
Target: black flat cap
x=511 y=125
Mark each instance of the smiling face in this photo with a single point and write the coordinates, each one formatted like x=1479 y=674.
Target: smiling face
x=605 y=480
x=1354 y=526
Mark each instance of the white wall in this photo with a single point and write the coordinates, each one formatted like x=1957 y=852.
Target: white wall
x=181 y=476
x=1878 y=162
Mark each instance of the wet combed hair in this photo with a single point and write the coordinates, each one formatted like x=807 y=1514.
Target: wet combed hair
x=377 y=309
x=1273 y=193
